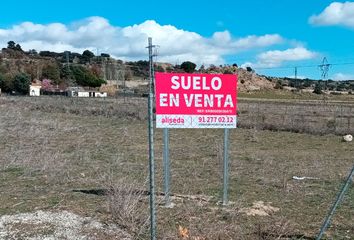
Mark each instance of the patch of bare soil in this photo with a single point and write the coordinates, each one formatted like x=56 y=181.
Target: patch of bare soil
x=260 y=208
x=45 y=225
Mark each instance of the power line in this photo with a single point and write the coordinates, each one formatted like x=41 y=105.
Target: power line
x=305 y=66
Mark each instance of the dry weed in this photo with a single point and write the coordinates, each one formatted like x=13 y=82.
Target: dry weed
x=128 y=206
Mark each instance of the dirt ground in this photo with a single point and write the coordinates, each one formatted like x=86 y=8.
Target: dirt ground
x=56 y=225
x=85 y=163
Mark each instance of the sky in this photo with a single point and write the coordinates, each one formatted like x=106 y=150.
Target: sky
x=271 y=36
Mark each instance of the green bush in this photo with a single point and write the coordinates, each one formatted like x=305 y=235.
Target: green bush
x=85 y=77
x=249 y=69
x=6 y=83
x=279 y=85
x=318 y=88
x=21 y=83
x=188 y=66
x=159 y=69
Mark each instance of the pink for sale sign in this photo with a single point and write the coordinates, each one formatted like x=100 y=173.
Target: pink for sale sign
x=185 y=100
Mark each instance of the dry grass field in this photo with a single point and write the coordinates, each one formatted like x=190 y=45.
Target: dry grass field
x=52 y=147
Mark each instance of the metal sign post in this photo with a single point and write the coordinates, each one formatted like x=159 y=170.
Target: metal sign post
x=151 y=145
x=225 y=200
x=166 y=167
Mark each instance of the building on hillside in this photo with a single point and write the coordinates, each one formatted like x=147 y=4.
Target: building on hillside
x=80 y=92
x=99 y=94
x=35 y=90
x=77 y=92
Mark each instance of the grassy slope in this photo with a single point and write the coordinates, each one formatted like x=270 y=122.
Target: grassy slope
x=46 y=152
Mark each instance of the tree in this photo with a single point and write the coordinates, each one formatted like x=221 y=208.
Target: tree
x=52 y=72
x=159 y=68
x=202 y=69
x=49 y=54
x=188 y=66
x=85 y=77
x=32 y=52
x=11 y=45
x=169 y=69
x=21 y=83
x=249 y=69
x=6 y=83
x=106 y=55
x=318 y=88
x=65 y=73
x=278 y=85
x=88 y=54
x=307 y=83
x=18 y=48
x=46 y=84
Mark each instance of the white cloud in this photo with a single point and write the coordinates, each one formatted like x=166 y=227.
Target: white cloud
x=256 y=41
x=298 y=77
x=129 y=43
x=335 y=14
x=247 y=64
x=343 y=76
x=275 y=58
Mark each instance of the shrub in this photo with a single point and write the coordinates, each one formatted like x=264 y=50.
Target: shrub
x=46 y=84
x=106 y=55
x=125 y=201
x=21 y=83
x=159 y=69
x=6 y=83
x=188 y=66
x=249 y=69
x=318 y=88
x=85 y=77
x=278 y=85
x=228 y=71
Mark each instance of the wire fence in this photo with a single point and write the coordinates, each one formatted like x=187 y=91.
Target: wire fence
x=306 y=117
x=67 y=143
x=316 y=117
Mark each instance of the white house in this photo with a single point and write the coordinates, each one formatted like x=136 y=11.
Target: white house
x=101 y=94
x=79 y=92
x=35 y=90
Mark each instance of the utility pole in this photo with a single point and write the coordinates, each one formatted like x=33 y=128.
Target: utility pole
x=121 y=77
x=151 y=143
x=295 y=72
x=296 y=82
x=67 y=58
x=67 y=55
x=324 y=67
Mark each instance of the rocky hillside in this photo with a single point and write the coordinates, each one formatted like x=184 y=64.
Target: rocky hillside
x=54 y=66
x=250 y=81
